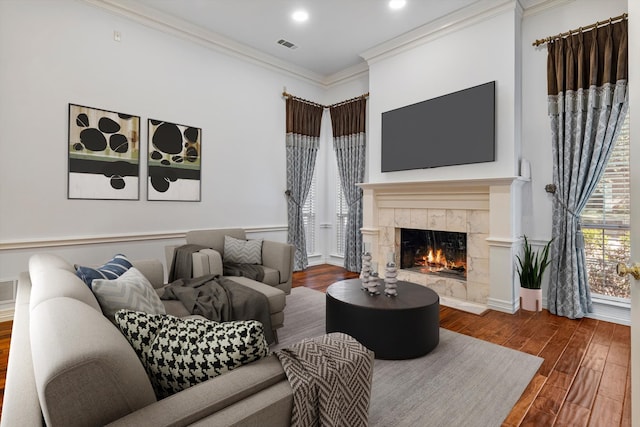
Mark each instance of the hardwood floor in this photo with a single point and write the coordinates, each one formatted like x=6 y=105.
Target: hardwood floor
x=584 y=379
x=5 y=338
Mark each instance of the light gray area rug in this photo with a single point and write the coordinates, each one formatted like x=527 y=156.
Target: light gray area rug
x=463 y=382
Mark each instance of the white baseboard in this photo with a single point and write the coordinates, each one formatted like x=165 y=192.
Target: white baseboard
x=503 y=305
x=6 y=314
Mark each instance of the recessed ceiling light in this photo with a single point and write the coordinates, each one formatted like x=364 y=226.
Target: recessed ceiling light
x=300 y=15
x=397 y=4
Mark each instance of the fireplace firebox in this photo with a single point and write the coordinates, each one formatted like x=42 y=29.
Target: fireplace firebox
x=434 y=252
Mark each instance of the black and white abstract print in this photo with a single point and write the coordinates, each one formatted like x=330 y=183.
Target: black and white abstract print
x=104 y=154
x=174 y=161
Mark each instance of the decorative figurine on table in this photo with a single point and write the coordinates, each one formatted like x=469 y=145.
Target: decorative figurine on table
x=391 y=277
x=369 y=281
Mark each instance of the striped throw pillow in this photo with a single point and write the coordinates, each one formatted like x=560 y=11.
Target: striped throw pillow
x=112 y=269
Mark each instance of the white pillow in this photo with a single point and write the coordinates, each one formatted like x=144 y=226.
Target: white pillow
x=242 y=251
x=130 y=291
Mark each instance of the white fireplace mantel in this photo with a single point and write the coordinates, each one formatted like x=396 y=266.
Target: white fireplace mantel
x=439 y=184
x=487 y=207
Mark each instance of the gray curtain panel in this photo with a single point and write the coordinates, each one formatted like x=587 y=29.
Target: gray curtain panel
x=302 y=141
x=587 y=98
x=349 y=143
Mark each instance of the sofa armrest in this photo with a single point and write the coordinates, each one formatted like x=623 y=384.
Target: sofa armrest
x=209 y=397
x=279 y=256
x=206 y=261
x=20 y=405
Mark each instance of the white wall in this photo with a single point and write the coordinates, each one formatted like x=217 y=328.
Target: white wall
x=476 y=54
x=56 y=53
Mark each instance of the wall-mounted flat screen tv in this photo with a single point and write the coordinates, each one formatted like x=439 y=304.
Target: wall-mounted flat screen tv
x=453 y=129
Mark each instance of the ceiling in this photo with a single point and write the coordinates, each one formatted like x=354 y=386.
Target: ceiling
x=329 y=42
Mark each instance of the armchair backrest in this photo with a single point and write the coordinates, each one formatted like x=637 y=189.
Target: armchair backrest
x=214 y=239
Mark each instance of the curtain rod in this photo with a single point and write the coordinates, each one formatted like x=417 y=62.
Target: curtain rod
x=288 y=95
x=578 y=30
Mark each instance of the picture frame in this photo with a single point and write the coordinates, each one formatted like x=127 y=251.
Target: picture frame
x=174 y=161
x=104 y=154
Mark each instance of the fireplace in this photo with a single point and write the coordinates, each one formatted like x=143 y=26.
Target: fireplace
x=443 y=253
x=483 y=209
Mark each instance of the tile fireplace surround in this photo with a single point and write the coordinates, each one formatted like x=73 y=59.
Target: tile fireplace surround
x=482 y=208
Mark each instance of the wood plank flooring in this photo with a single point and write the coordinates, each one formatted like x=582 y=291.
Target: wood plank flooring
x=5 y=338
x=583 y=381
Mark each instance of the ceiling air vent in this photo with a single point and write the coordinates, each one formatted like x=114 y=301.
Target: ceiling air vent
x=288 y=44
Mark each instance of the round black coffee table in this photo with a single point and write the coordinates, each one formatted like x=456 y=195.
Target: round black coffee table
x=401 y=327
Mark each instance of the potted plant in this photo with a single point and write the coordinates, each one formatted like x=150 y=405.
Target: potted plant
x=530 y=268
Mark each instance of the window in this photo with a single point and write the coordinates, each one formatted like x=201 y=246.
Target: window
x=606 y=224
x=341 y=216
x=309 y=216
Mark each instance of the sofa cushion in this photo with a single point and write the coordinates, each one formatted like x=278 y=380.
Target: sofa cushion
x=275 y=296
x=130 y=291
x=112 y=269
x=178 y=353
x=242 y=251
x=46 y=262
x=56 y=283
x=86 y=372
x=152 y=269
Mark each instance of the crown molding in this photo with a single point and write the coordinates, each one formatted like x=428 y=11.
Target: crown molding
x=346 y=75
x=175 y=26
x=535 y=7
x=453 y=22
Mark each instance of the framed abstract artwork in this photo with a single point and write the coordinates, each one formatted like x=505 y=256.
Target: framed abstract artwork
x=104 y=154
x=174 y=161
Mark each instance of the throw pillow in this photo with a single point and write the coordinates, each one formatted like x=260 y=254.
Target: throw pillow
x=131 y=291
x=242 y=251
x=112 y=269
x=178 y=353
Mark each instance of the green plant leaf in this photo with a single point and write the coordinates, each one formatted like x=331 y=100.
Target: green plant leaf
x=532 y=265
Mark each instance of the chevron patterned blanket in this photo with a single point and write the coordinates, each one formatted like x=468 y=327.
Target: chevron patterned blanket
x=331 y=380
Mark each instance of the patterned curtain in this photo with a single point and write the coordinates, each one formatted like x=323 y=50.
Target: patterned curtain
x=302 y=140
x=348 y=122
x=587 y=98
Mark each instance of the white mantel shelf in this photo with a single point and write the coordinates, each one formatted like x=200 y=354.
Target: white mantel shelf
x=448 y=184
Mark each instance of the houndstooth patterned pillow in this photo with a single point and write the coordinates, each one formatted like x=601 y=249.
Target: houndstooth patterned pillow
x=242 y=251
x=178 y=353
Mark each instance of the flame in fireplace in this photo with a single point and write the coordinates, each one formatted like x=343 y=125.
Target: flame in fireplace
x=438 y=259
x=439 y=252
x=435 y=260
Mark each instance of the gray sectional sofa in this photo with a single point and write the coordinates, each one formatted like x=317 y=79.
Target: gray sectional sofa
x=70 y=366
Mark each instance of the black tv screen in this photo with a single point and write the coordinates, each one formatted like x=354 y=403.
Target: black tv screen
x=453 y=129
